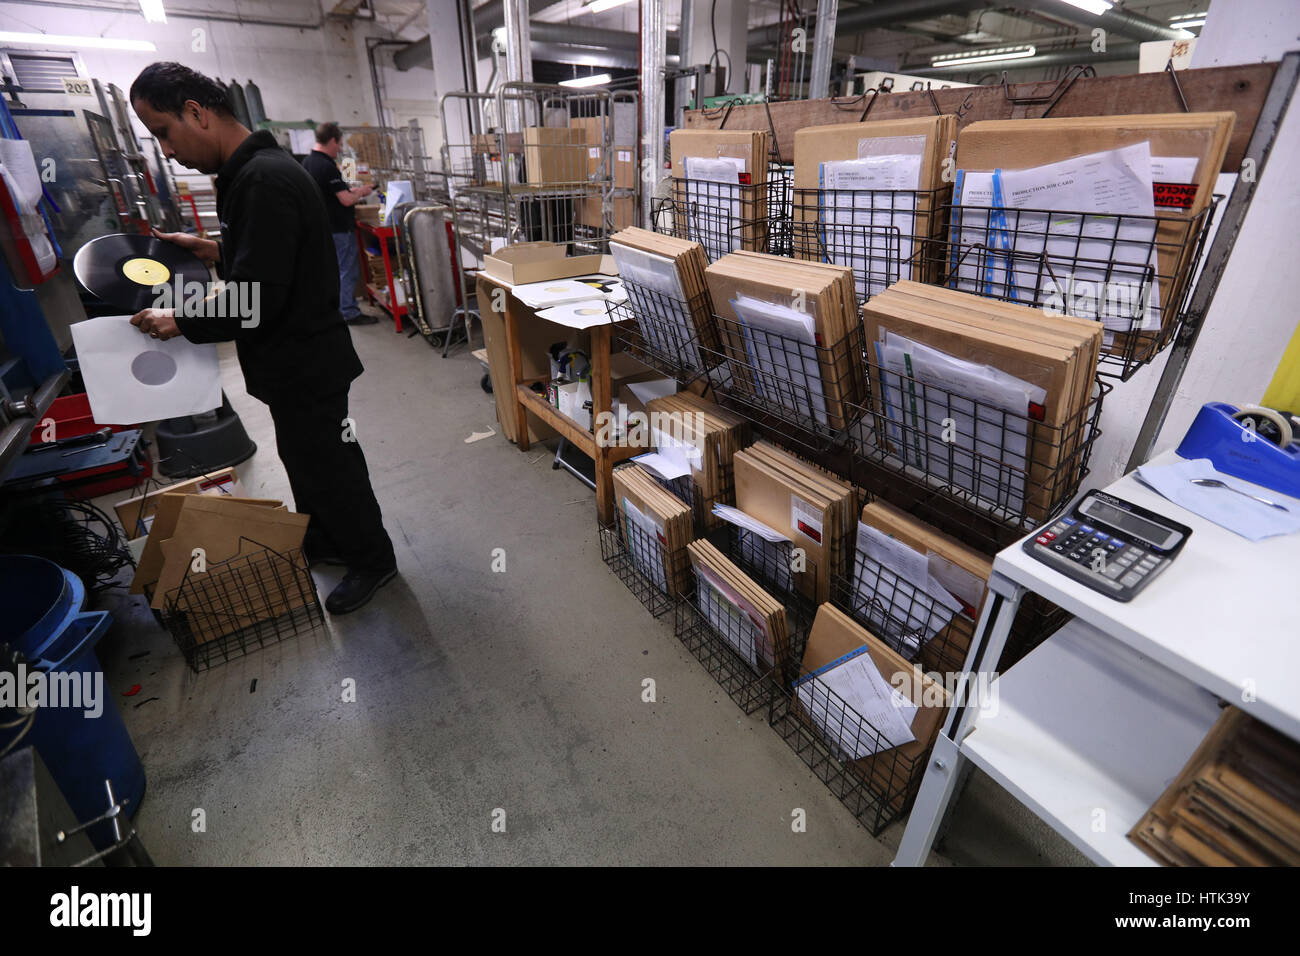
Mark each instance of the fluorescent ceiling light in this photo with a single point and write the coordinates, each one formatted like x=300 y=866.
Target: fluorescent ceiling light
x=983 y=56
x=596 y=79
x=596 y=6
x=1095 y=7
x=1187 y=20
x=58 y=39
x=153 y=11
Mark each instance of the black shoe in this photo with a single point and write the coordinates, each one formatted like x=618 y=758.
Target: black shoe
x=356 y=588
x=362 y=319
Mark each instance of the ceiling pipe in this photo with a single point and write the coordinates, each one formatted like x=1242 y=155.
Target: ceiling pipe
x=549 y=35
x=1116 y=21
x=861 y=19
x=1081 y=54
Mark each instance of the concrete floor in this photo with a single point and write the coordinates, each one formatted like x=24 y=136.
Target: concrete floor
x=478 y=692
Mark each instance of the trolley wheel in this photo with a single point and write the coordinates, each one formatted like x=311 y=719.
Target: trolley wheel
x=486 y=382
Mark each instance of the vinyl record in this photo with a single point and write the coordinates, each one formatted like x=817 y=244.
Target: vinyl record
x=122 y=270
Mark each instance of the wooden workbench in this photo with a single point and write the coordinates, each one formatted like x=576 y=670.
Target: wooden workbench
x=516 y=400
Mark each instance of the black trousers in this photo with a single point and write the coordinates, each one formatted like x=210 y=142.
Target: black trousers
x=330 y=481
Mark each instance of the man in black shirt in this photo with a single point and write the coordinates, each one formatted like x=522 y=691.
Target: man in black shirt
x=294 y=348
x=339 y=200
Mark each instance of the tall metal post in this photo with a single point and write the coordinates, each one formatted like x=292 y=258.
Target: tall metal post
x=654 y=46
x=519 y=43
x=685 y=60
x=823 y=49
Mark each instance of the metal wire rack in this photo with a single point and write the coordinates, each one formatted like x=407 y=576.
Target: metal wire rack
x=251 y=601
x=876 y=782
x=729 y=217
x=805 y=393
x=665 y=330
x=731 y=645
x=641 y=560
x=1131 y=273
x=961 y=461
x=881 y=234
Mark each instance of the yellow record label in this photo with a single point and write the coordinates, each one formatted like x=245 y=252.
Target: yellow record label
x=143 y=271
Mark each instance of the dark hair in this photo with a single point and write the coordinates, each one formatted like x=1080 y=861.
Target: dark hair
x=328 y=131
x=166 y=86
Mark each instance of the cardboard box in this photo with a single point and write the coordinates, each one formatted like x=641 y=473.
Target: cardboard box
x=523 y=262
x=136 y=514
x=555 y=155
x=726 y=218
x=534 y=339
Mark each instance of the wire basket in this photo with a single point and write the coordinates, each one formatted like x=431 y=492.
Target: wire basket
x=728 y=217
x=642 y=561
x=876 y=782
x=237 y=606
x=881 y=234
x=923 y=627
x=731 y=646
x=957 y=460
x=805 y=393
x=666 y=331
x=687 y=490
x=1131 y=273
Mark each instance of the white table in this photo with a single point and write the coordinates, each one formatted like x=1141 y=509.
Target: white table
x=1091 y=727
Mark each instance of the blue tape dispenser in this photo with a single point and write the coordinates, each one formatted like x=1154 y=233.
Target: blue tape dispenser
x=1252 y=443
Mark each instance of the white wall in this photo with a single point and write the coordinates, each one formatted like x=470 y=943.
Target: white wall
x=303 y=73
x=1254 y=312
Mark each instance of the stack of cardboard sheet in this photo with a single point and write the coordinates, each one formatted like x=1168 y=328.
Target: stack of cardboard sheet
x=1236 y=802
x=868 y=196
x=720 y=188
x=619 y=172
x=223 y=561
x=875 y=710
x=985 y=397
x=749 y=619
x=1187 y=151
x=556 y=156
x=814 y=509
x=916 y=587
x=136 y=513
x=785 y=329
x=706 y=437
x=668 y=291
x=656 y=527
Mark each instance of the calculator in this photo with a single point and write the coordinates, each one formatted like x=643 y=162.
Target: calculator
x=1109 y=544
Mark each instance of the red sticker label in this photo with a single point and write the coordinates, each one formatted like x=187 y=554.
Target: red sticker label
x=745 y=180
x=1174 y=195
x=810 y=531
x=1037 y=412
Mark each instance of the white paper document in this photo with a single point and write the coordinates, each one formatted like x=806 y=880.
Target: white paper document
x=553 y=292
x=660 y=303
x=665 y=466
x=867 y=212
x=1240 y=514
x=577 y=315
x=731 y=618
x=784 y=370
x=741 y=520
x=946 y=417
x=895 y=593
x=713 y=203
x=132 y=378
x=856 y=709
x=645 y=547
x=1115 y=257
x=977 y=256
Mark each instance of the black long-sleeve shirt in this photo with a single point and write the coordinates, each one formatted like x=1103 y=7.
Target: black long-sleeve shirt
x=274 y=232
